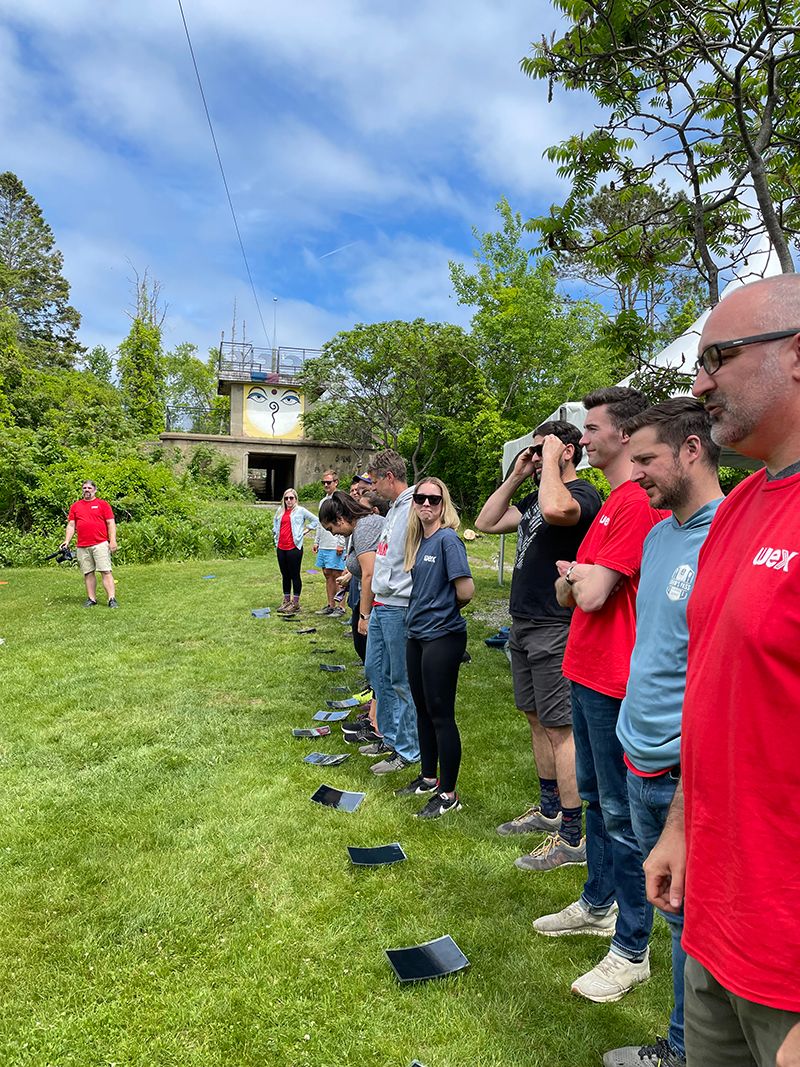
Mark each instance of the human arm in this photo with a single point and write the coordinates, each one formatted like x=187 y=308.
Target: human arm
x=665 y=867
x=498 y=515
x=69 y=533
x=367 y=563
x=465 y=590
x=789 y=1052
x=311 y=522
x=344 y=579
x=556 y=503
x=589 y=585
x=112 y=534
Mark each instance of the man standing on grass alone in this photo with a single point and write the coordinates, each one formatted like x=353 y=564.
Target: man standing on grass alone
x=386 y=635
x=736 y=849
x=601 y=586
x=550 y=525
x=675 y=462
x=330 y=552
x=97 y=539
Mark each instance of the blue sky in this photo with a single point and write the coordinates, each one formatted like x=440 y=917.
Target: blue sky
x=389 y=129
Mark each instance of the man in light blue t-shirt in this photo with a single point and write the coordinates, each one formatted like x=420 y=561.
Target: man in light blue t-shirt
x=675 y=461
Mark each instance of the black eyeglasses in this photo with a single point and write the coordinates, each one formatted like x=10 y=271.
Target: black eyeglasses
x=712 y=358
x=290 y=498
x=434 y=499
x=328 y=482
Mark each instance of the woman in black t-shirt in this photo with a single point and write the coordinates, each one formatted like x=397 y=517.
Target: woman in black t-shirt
x=437 y=639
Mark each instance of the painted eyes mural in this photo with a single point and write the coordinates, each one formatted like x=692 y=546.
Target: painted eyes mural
x=273 y=411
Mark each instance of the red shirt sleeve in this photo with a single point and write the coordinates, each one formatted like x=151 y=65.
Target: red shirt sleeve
x=622 y=548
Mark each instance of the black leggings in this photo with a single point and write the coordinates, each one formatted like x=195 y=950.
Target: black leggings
x=290 y=560
x=433 y=677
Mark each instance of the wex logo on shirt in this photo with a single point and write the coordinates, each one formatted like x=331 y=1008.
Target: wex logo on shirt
x=429 y=559
x=775 y=558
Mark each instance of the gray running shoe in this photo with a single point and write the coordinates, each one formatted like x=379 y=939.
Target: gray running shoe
x=576 y=919
x=553 y=852
x=337 y=613
x=661 y=1054
x=88 y=603
x=531 y=821
x=113 y=602
x=327 y=610
x=390 y=764
x=377 y=748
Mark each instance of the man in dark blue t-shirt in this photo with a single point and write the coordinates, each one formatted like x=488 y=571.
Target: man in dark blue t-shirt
x=549 y=522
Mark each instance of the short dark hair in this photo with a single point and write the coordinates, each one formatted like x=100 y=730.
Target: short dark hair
x=566 y=432
x=675 y=420
x=341 y=505
x=389 y=462
x=375 y=500
x=622 y=403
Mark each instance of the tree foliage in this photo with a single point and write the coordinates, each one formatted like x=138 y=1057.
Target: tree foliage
x=535 y=346
x=702 y=94
x=141 y=361
x=190 y=392
x=32 y=287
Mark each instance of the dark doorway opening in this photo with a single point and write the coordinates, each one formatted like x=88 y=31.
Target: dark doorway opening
x=268 y=475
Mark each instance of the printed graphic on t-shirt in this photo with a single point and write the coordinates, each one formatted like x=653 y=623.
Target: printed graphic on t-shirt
x=529 y=526
x=680 y=584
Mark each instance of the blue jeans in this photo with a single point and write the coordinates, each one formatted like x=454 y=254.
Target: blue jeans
x=387 y=674
x=650 y=799
x=612 y=852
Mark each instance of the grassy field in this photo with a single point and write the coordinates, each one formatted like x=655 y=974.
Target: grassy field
x=170 y=896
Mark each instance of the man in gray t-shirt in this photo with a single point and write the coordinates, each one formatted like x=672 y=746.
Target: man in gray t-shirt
x=386 y=638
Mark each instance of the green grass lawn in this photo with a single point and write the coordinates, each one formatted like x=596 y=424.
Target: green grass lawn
x=170 y=896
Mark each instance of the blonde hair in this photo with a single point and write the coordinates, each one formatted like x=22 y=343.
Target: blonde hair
x=283 y=499
x=414 y=530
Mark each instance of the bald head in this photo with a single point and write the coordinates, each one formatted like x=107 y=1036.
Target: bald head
x=753 y=391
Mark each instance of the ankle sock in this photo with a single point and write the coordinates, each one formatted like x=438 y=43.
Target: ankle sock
x=550 y=802
x=571 y=825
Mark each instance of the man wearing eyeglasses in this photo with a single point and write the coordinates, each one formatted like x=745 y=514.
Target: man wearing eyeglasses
x=732 y=857
x=94 y=522
x=550 y=524
x=330 y=551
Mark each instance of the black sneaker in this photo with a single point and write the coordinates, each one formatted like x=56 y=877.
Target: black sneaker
x=662 y=1054
x=327 y=610
x=113 y=602
x=439 y=805
x=89 y=603
x=417 y=788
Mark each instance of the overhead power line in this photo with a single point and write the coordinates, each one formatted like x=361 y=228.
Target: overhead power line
x=222 y=171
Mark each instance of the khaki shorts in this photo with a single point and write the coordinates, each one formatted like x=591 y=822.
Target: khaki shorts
x=94 y=558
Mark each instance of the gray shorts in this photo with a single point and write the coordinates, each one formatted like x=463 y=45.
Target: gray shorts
x=723 y=1030
x=537 y=652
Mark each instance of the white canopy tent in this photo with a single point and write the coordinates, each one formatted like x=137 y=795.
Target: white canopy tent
x=680 y=354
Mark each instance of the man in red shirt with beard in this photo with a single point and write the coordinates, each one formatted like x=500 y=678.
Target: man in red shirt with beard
x=736 y=847
x=97 y=539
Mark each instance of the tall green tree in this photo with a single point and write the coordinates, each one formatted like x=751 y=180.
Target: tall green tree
x=535 y=345
x=393 y=385
x=141 y=361
x=701 y=93
x=32 y=286
x=190 y=391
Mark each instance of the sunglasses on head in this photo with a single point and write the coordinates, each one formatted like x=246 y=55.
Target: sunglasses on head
x=434 y=499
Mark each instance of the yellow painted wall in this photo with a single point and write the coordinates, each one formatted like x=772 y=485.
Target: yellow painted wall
x=273 y=411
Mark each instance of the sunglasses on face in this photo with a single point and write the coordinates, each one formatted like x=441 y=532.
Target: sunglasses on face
x=712 y=358
x=434 y=499
x=324 y=482
x=290 y=498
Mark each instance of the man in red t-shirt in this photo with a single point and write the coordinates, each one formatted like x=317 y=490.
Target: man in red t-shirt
x=601 y=586
x=736 y=848
x=97 y=539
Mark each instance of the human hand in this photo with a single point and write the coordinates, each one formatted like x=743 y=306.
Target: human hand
x=112 y=546
x=789 y=1052
x=363 y=626
x=563 y=565
x=665 y=872
x=524 y=466
x=343 y=579
x=553 y=448
x=339 y=550
x=315 y=546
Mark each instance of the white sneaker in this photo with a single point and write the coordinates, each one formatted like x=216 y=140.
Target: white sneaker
x=577 y=919
x=612 y=978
